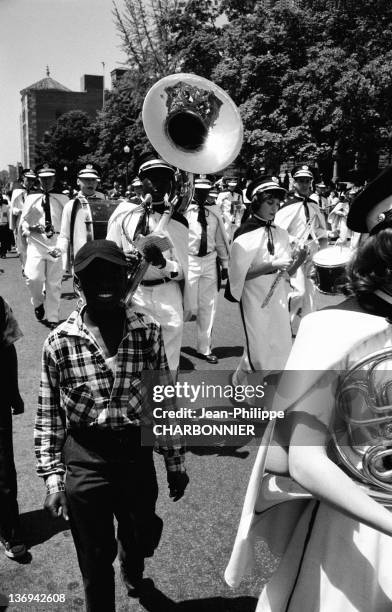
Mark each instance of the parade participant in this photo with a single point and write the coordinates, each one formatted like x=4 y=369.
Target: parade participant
x=338 y=220
x=11 y=403
x=259 y=251
x=137 y=191
x=4 y=227
x=335 y=547
x=41 y=222
x=321 y=197
x=91 y=408
x=77 y=216
x=117 y=191
x=208 y=248
x=18 y=199
x=232 y=206
x=299 y=209
x=159 y=293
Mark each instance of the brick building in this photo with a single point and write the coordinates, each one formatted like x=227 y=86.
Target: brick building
x=45 y=101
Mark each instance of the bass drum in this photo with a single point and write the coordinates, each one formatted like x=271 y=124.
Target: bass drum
x=330 y=269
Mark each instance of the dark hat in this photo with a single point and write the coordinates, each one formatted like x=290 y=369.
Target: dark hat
x=150 y=161
x=44 y=170
x=369 y=210
x=28 y=173
x=98 y=249
x=264 y=183
x=302 y=170
x=89 y=170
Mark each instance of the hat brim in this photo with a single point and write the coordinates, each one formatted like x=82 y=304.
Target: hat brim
x=113 y=258
x=303 y=174
x=375 y=192
x=252 y=191
x=88 y=175
x=45 y=174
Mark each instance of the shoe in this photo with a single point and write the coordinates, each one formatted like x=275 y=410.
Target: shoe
x=14 y=550
x=52 y=324
x=39 y=312
x=211 y=358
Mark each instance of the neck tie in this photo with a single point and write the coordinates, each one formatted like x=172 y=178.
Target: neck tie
x=143 y=225
x=48 y=216
x=270 y=236
x=201 y=217
x=306 y=209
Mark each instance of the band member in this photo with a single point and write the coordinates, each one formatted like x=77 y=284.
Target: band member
x=159 y=293
x=41 y=222
x=18 y=199
x=300 y=209
x=137 y=191
x=77 y=217
x=259 y=251
x=88 y=427
x=5 y=242
x=232 y=206
x=335 y=538
x=208 y=248
x=11 y=403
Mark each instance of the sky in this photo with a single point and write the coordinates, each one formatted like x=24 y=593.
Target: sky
x=72 y=37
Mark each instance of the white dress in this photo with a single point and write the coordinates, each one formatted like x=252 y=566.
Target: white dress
x=267 y=330
x=329 y=562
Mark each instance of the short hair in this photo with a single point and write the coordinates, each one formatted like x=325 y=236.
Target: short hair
x=371 y=266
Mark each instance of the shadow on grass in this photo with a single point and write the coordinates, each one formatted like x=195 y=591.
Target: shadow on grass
x=222 y=352
x=153 y=600
x=219 y=451
x=38 y=527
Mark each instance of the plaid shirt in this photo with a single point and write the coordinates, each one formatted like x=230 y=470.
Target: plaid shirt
x=79 y=390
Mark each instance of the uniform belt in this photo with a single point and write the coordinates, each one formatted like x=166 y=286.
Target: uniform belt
x=153 y=283
x=205 y=254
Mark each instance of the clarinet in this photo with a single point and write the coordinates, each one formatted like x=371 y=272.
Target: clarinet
x=293 y=266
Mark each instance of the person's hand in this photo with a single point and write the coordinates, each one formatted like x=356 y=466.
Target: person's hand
x=178 y=482
x=224 y=273
x=282 y=263
x=154 y=256
x=26 y=233
x=55 y=253
x=17 y=405
x=56 y=504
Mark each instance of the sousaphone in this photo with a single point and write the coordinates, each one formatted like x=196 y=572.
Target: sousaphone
x=192 y=123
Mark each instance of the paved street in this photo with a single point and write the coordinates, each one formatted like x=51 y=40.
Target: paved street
x=199 y=530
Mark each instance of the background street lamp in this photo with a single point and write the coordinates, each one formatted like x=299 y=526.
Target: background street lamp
x=127 y=151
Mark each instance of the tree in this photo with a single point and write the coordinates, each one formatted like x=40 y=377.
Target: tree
x=67 y=143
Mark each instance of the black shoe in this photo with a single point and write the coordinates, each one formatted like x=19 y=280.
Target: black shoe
x=39 y=312
x=211 y=358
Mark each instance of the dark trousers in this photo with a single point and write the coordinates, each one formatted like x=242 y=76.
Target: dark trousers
x=109 y=475
x=4 y=239
x=9 y=512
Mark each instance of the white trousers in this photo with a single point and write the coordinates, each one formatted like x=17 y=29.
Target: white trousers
x=42 y=269
x=164 y=304
x=203 y=293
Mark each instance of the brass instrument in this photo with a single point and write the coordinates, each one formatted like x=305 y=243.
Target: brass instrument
x=362 y=436
x=194 y=126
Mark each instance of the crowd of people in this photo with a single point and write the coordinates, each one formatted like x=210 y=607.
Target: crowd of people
x=141 y=268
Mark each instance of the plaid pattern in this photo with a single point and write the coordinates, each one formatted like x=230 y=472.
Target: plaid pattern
x=79 y=390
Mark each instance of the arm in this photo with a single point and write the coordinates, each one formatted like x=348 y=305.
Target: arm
x=310 y=466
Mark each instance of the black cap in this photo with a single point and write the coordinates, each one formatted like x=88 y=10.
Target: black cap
x=302 y=170
x=265 y=183
x=98 y=249
x=367 y=200
x=45 y=170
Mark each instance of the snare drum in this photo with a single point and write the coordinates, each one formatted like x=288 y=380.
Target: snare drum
x=330 y=265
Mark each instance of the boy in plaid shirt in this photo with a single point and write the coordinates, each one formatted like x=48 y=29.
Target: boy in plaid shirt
x=88 y=428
